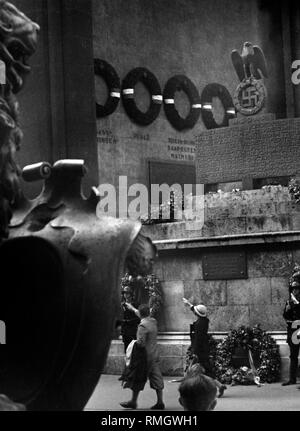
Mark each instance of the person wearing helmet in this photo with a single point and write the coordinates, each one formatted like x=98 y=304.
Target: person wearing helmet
x=291 y=314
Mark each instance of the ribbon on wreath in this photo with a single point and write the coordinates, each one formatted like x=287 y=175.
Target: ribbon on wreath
x=256 y=377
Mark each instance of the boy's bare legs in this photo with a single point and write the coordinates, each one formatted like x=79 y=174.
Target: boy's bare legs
x=160 y=404
x=132 y=404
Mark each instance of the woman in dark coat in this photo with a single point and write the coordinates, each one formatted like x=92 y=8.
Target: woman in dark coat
x=199 y=336
x=200 y=341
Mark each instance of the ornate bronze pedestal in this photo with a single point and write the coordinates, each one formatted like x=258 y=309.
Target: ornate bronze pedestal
x=63 y=268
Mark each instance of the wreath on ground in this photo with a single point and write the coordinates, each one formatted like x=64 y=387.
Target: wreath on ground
x=150 y=284
x=261 y=345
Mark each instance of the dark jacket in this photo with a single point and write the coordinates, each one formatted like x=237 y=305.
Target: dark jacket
x=199 y=338
x=290 y=315
x=135 y=374
x=130 y=323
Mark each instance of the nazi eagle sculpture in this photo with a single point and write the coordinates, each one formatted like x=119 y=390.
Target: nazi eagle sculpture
x=250 y=63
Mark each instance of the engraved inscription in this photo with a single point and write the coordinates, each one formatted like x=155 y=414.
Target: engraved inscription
x=181 y=149
x=105 y=136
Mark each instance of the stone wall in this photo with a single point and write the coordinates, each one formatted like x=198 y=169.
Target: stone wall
x=263 y=224
x=242 y=212
x=172 y=37
x=256 y=149
x=57 y=103
x=231 y=303
x=57 y=109
x=232 y=221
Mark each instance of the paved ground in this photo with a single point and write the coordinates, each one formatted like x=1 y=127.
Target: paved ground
x=270 y=397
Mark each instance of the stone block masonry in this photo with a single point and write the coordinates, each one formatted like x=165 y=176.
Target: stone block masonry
x=256 y=149
x=264 y=224
x=265 y=210
x=258 y=299
x=253 y=221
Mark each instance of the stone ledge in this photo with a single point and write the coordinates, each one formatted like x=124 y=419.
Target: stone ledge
x=261 y=117
x=226 y=240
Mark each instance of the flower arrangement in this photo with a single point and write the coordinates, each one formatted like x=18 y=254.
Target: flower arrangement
x=294 y=189
x=166 y=211
x=260 y=344
x=151 y=285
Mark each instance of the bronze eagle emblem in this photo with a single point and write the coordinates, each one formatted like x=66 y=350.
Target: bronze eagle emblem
x=250 y=63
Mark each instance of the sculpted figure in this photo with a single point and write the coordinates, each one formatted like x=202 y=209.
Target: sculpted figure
x=250 y=63
x=251 y=67
x=18 y=41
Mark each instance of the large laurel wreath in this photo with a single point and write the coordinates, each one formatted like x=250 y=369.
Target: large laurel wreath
x=261 y=344
x=151 y=284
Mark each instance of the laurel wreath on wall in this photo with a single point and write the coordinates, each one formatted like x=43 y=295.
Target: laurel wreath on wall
x=221 y=92
x=181 y=83
x=176 y=83
x=262 y=345
x=143 y=75
x=111 y=78
x=151 y=284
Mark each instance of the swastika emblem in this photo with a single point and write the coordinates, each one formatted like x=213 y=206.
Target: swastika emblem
x=249 y=97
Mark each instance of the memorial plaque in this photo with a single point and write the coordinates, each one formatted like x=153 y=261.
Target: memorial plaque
x=171 y=173
x=224 y=265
